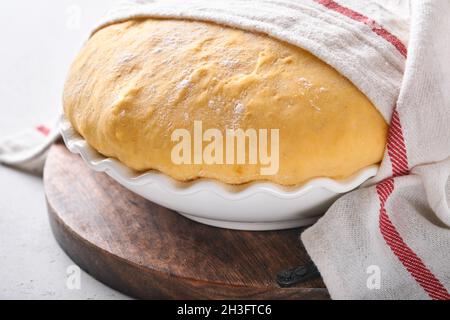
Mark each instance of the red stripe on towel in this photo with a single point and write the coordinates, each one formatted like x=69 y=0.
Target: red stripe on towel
x=396 y=147
x=405 y=254
x=43 y=129
x=378 y=29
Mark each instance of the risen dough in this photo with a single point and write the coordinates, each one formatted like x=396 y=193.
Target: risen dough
x=135 y=82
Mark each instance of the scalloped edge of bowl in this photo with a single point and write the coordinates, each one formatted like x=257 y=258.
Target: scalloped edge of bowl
x=113 y=167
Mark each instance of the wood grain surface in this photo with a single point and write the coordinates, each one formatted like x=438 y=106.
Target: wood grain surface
x=150 y=252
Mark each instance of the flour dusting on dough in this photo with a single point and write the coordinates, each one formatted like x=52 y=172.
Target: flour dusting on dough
x=238 y=112
x=305 y=83
x=157 y=50
x=239 y=108
x=184 y=84
x=314 y=93
x=230 y=63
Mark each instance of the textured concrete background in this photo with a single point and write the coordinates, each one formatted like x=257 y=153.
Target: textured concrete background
x=38 y=41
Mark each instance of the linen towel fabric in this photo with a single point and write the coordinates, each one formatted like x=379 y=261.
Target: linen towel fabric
x=390 y=239
x=401 y=224
x=28 y=150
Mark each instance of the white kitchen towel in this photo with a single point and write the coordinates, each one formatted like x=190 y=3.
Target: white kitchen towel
x=390 y=239
x=399 y=229
x=28 y=150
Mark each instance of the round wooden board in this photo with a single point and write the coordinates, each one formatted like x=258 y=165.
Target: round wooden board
x=150 y=252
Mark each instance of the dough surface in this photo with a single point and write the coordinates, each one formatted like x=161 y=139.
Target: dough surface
x=135 y=82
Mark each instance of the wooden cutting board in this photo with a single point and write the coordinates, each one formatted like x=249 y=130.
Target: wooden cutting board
x=150 y=252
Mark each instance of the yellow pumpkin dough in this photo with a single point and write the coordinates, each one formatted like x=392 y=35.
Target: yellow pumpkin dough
x=135 y=82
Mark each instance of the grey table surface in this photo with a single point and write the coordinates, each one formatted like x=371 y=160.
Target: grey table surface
x=39 y=40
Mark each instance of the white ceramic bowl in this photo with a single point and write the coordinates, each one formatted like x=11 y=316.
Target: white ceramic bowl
x=254 y=206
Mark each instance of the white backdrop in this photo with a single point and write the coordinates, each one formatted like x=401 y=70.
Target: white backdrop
x=39 y=39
